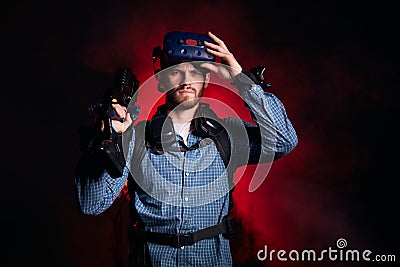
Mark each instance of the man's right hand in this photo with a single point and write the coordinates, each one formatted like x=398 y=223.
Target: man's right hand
x=122 y=113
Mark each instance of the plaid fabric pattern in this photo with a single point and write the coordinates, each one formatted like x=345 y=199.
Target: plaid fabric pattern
x=182 y=192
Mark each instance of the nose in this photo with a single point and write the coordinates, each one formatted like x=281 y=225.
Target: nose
x=186 y=80
x=187 y=77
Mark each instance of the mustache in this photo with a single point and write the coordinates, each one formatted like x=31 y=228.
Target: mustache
x=182 y=87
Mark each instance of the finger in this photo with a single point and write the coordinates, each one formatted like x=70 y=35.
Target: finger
x=210 y=67
x=217 y=53
x=120 y=127
x=217 y=40
x=120 y=110
x=127 y=122
x=117 y=126
x=215 y=47
x=225 y=56
x=128 y=119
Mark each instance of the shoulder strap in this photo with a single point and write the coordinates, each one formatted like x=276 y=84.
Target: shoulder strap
x=140 y=146
x=204 y=126
x=223 y=145
x=209 y=128
x=207 y=124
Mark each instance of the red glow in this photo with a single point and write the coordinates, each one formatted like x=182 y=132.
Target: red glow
x=293 y=208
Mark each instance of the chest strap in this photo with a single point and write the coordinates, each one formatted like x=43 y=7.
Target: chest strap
x=226 y=228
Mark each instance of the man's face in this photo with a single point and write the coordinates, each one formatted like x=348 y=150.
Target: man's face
x=186 y=84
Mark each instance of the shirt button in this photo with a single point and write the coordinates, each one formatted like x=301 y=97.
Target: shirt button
x=186 y=173
x=182 y=247
x=186 y=199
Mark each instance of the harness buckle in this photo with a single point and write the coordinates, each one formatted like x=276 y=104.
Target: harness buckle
x=181 y=240
x=229 y=227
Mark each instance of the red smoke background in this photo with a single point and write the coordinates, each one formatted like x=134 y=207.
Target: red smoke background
x=326 y=63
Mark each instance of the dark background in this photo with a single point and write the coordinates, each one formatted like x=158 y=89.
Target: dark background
x=333 y=64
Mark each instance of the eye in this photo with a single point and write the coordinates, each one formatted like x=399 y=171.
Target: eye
x=196 y=73
x=175 y=73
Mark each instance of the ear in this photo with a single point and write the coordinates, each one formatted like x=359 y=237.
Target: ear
x=157 y=75
x=206 y=80
x=160 y=85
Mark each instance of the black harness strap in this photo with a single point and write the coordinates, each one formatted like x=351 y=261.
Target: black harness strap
x=205 y=127
x=145 y=133
x=226 y=227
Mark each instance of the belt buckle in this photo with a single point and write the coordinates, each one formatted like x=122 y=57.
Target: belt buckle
x=183 y=240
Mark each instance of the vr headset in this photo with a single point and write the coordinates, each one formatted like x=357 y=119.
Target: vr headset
x=181 y=47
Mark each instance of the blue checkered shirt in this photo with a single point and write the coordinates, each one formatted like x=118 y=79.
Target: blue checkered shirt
x=187 y=191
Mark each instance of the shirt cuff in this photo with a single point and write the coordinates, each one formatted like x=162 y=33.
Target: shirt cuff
x=244 y=80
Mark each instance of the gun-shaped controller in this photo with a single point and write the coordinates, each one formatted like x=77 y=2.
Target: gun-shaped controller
x=122 y=92
x=258 y=73
x=102 y=148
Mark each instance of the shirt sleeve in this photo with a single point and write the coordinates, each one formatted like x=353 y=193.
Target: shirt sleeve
x=278 y=136
x=96 y=194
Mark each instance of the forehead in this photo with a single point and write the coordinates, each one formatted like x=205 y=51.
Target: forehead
x=184 y=66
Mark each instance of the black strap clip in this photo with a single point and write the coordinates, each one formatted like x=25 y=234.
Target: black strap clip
x=229 y=227
x=181 y=240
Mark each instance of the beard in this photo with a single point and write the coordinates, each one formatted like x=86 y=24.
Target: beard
x=175 y=101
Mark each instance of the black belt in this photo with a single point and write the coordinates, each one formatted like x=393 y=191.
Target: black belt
x=226 y=228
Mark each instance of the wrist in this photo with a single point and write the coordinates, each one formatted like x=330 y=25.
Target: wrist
x=242 y=80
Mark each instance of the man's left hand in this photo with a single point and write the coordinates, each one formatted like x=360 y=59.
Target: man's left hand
x=227 y=59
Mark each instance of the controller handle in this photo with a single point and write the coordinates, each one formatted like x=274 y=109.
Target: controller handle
x=258 y=73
